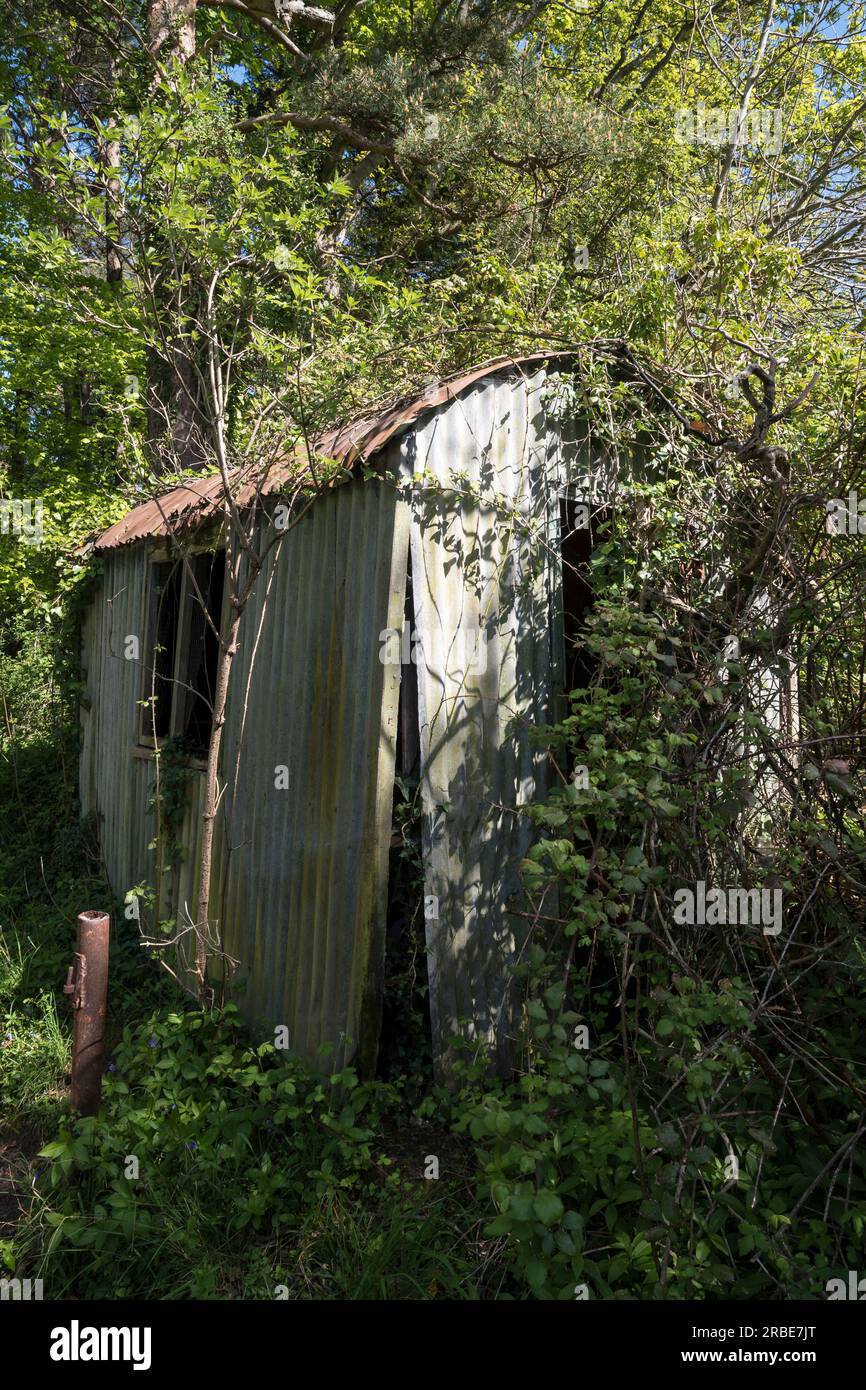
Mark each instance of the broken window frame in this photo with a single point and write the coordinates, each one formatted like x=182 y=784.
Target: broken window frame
x=189 y=617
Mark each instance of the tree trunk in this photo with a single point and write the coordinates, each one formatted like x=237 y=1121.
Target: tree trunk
x=171 y=28
x=173 y=388
x=228 y=648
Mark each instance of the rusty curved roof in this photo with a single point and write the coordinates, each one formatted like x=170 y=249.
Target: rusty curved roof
x=197 y=499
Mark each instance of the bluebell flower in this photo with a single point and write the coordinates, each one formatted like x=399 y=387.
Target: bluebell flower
x=153 y=1042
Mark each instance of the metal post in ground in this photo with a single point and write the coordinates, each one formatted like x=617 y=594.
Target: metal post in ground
x=87 y=983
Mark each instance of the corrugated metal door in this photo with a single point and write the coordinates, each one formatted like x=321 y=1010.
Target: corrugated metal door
x=482 y=587
x=304 y=866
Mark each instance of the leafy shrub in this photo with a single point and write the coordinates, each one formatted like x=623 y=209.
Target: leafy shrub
x=684 y=1120
x=215 y=1169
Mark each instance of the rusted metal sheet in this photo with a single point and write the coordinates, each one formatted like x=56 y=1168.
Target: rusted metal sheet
x=198 y=500
x=154 y=518
x=363 y=438
x=194 y=502
x=87 y=986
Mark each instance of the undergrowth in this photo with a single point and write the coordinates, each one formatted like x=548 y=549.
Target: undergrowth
x=216 y=1168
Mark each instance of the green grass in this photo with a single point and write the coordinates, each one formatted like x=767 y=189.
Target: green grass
x=35 y=1042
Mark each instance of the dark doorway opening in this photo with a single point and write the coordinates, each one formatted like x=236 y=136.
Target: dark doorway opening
x=405 y=1046
x=582 y=526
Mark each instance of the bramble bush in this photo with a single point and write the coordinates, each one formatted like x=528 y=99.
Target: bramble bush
x=684 y=1119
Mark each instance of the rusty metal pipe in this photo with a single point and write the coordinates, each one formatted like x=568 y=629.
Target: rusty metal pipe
x=87 y=983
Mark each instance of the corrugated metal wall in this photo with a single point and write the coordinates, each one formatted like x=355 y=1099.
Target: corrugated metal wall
x=114 y=783
x=300 y=875
x=117 y=783
x=304 y=877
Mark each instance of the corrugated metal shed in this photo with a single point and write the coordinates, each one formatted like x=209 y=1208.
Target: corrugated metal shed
x=469 y=479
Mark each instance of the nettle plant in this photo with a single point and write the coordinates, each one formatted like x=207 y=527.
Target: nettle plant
x=191 y=1111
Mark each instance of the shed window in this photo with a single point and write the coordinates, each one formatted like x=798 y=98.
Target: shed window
x=185 y=605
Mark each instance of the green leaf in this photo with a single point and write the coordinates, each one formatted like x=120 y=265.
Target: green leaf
x=548 y=1207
